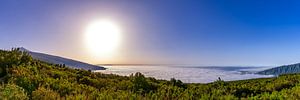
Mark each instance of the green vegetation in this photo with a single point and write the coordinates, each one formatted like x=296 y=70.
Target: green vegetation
x=25 y=78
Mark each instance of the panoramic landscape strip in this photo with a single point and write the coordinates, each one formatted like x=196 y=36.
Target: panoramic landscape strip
x=149 y=50
x=25 y=78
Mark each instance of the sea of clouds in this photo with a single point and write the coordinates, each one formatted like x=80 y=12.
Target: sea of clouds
x=189 y=74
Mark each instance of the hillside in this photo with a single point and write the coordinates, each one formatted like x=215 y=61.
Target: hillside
x=285 y=69
x=24 y=78
x=60 y=60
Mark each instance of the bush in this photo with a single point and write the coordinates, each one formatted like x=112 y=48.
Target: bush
x=12 y=92
x=45 y=94
x=140 y=83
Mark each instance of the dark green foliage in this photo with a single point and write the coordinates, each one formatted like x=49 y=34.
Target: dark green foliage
x=177 y=83
x=140 y=83
x=25 y=78
x=11 y=58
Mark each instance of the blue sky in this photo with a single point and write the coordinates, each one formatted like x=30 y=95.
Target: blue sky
x=195 y=32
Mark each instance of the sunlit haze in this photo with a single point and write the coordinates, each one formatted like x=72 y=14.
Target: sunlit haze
x=103 y=38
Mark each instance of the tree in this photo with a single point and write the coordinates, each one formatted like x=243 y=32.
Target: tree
x=140 y=83
x=177 y=83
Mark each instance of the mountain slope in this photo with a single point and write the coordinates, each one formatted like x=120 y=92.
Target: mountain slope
x=285 y=69
x=60 y=60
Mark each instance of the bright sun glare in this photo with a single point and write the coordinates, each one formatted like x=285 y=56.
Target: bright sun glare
x=102 y=37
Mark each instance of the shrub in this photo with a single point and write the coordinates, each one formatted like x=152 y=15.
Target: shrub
x=44 y=94
x=12 y=92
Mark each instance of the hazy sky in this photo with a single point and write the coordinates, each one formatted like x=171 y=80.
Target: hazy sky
x=196 y=32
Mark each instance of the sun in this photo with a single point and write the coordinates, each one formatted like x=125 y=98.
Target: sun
x=102 y=37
